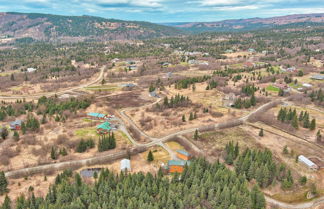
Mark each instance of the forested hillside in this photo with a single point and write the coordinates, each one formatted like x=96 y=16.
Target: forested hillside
x=56 y=27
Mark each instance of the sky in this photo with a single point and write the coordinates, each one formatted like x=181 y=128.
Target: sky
x=163 y=11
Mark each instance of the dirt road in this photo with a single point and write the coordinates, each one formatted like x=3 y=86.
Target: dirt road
x=48 y=94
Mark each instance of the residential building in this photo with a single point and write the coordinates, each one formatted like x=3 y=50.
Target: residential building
x=183 y=155
x=104 y=128
x=317 y=77
x=307 y=162
x=125 y=165
x=177 y=166
x=97 y=116
x=16 y=125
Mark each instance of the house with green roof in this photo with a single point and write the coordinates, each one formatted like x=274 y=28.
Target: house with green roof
x=104 y=128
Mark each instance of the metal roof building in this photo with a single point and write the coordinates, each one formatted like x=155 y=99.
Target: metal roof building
x=178 y=162
x=183 y=152
x=308 y=162
x=318 y=77
x=125 y=165
x=96 y=115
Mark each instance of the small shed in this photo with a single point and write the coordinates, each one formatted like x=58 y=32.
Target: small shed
x=307 y=162
x=16 y=125
x=104 y=128
x=125 y=165
x=183 y=155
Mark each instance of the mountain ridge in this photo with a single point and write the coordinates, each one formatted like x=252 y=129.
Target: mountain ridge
x=249 y=23
x=50 y=27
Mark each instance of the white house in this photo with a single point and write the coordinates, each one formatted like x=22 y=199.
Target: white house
x=125 y=165
x=307 y=162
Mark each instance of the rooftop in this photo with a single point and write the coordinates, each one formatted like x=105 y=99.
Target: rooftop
x=318 y=77
x=305 y=160
x=125 y=164
x=178 y=162
x=16 y=122
x=98 y=115
x=105 y=126
x=183 y=152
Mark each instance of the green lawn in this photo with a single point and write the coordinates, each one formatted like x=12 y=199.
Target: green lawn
x=272 y=88
x=86 y=132
x=298 y=85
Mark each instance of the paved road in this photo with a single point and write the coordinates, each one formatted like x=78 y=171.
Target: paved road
x=69 y=90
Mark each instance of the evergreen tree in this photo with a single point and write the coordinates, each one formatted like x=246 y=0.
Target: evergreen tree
x=318 y=136
x=191 y=116
x=294 y=122
x=150 y=156
x=23 y=128
x=3 y=183
x=4 y=133
x=53 y=154
x=183 y=118
x=313 y=125
x=16 y=136
x=261 y=132
x=196 y=135
x=7 y=203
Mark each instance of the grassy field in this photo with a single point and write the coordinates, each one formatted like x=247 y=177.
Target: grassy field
x=160 y=155
x=295 y=86
x=175 y=145
x=103 y=88
x=272 y=88
x=86 y=132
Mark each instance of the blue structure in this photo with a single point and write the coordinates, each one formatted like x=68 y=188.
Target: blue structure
x=97 y=115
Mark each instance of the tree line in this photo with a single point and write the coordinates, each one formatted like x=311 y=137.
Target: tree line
x=201 y=185
x=291 y=116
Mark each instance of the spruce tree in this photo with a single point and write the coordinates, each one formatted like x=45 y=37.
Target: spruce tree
x=196 y=135
x=16 y=136
x=3 y=183
x=261 y=132
x=150 y=156
x=191 y=116
x=53 y=154
x=313 y=125
x=4 y=133
x=7 y=203
x=183 y=118
x=294 y=122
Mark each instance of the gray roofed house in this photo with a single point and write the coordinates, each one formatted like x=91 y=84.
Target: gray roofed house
x=125 y=165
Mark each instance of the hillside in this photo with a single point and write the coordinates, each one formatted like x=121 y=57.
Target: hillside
x=251 y=24
x=75 y=28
